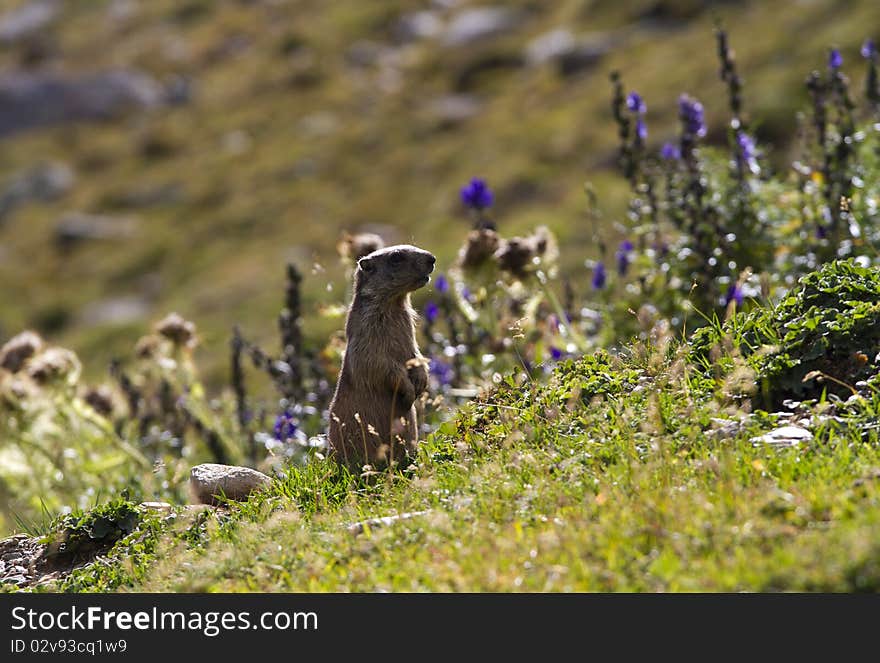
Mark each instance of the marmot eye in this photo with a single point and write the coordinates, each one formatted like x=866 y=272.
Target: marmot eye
x=396 y=258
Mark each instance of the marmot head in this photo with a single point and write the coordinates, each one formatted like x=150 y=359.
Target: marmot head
x=393 y=271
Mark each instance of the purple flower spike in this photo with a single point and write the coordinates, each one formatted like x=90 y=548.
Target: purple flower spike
x=285 y=427
x=734 y=294
x=431 y=312
x=635 y=103
x=835 y=60
x=746 y=145
x=623 y=257
x=691 y=113
x=748 y=151
x=670 y=152
x=477 y=194
x=599 y=276
x=441 y=370
x=441 y=284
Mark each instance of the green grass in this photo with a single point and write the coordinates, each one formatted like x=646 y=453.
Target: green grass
x=607 y=478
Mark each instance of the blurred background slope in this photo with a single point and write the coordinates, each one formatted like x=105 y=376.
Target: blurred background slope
x=174 y=154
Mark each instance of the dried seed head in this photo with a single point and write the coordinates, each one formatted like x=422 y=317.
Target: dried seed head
x=101 y=400
x=478 y=248
x=147 y=347
x=181 y=332
x=15 y=391
x=54 y=365
x=515 y=255
x=19 y=349
x=352 y=248
x=520 y=255
x=546 y=246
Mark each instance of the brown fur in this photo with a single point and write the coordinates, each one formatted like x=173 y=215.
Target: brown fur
x=372 y=416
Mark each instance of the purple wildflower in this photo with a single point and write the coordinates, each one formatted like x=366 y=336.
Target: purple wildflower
x=748 y=151
x=441 y=370
x=641 y=130
x=691 y=113
x=466 y=293
x=285 y=427
x=477 y=194
x=431 y=312
x=441 y=284
x=835 y=60
x=556 y=353
x=670 y=152
x=635 y=103
x=734 y=293
x=623 y=257
x=599 y=276
x=869 y=49
x=746 y=145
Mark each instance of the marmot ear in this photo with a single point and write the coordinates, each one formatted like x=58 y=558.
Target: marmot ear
x=366 y=265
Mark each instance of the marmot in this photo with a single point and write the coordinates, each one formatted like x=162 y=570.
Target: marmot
x=372 y=416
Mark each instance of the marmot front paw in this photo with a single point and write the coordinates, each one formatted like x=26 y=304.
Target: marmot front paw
x=418 y=375
x=403 y=389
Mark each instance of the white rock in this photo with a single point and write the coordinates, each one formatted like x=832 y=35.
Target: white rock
x=28 y=20
x=549 y=46
x=375 y=523
x=418 y=25
x=785 y=436
x=211 y=480
x=479 y=24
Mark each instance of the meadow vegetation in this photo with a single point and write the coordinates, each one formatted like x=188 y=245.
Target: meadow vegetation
x=665 y=380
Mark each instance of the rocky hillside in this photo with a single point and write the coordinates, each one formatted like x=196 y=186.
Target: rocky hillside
x=170 y=155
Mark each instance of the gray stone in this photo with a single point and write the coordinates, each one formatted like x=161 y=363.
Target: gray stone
x=549 y=46
x=385 y=521
x=212 y=480
x=365 y=53
x=570 y=54
x=480 y=24
x=584 y=55
x=785 y=436
x=148 y=195
x=43 y=182
x=15 y=580
x=116 y=311
x=30 y=100
x=76 y=227
x=27 y=21
x=417 y=26
x=453 y=109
